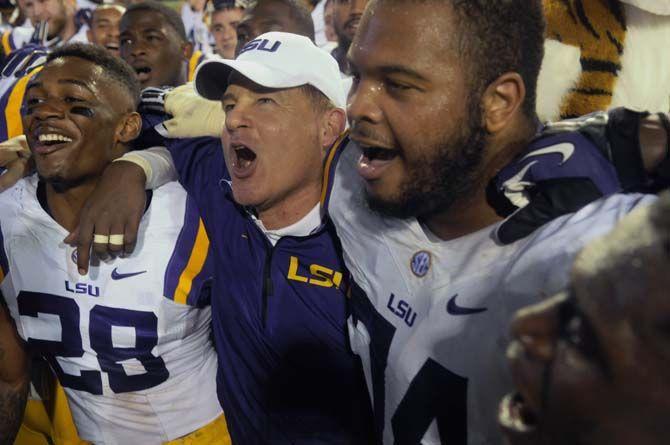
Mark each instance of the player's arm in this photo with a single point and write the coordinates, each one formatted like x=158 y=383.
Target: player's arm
x=14 y=377
x=15 y=161
x=621 y=150
x=636 y=143
x=17 y=70
x=118 y=202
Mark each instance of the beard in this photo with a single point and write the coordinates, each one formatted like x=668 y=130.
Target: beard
x=435 y=182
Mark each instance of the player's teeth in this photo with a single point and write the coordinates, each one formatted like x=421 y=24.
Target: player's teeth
x=54 y=137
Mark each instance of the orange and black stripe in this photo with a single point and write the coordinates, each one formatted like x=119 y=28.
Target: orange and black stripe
x=189 y=268
x=7 y=43
x=12 y=105
x=196 y=59
x=598 y=29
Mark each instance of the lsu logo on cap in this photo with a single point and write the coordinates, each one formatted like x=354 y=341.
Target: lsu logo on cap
x=420 y=263
x=261 y=45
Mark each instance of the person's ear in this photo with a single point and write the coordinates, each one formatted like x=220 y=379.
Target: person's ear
x=501 y=101
x=89 y=34
x=333 y=124
x=129 y=128
x=187 y=50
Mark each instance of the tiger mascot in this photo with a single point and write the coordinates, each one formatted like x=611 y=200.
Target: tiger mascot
x=601 y=54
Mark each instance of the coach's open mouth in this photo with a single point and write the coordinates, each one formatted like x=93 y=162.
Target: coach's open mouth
x=244 y=162
x=374 y=160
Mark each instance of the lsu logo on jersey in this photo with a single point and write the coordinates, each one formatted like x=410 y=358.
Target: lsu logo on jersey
x=402 y=309
x=82 y=288
x=318 y=275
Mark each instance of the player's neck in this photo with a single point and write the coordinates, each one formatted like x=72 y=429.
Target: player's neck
x=463 y=217
x=290 y=209
x=473 y=213
x=65 y=206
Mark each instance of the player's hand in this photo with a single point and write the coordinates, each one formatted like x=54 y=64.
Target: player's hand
x=15 y=159
x=634 y=150
x=555 y=176
x=115 y=207
x=636 y=143
x=192 y=115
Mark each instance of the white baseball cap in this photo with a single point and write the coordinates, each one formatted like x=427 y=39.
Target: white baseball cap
x=275 y=60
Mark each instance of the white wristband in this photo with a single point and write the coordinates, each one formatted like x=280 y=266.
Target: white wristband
x=139 y=161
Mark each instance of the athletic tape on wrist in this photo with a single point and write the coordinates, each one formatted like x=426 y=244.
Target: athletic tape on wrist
x=139 y=161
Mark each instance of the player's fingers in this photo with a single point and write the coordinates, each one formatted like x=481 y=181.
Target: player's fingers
x=71 y=239
x=8 y=155
x=101 y=239
x=83 y=241
x=173 y=129
x=15 y=171
x=116 y=238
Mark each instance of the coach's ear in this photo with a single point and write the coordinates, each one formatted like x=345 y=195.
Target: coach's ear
x=333 y=124
x=129 y=127
x=502 y=100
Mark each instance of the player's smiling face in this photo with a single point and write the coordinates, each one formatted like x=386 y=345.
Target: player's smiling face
x=591 y=365
x=71 y=117
x=410 y=110
x=153 y=48
x=104 y=29
x=270 y=141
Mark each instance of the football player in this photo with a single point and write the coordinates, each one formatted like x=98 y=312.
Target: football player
x=433 y=300
x=278 y=306
x=26 y=62
x=435 y=283
x=346 y=17
x=129 y=342
x=591 y=363
x=274 y=15
x=104 y=28
x=154 y=43
x=55 y=24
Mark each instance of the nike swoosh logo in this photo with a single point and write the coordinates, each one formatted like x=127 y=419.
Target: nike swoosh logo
x=514 y=188
x=565 y=149
x=120 y=276
x=454 y=309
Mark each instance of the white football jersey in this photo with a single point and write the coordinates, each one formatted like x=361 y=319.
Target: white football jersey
x=130 y=341
x=430 y=318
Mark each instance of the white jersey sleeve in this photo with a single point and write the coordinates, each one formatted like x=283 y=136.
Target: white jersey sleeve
x=430 y=318
x=130 y=341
